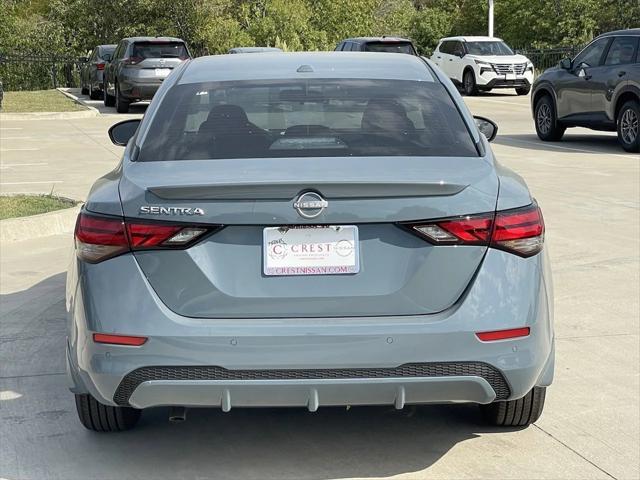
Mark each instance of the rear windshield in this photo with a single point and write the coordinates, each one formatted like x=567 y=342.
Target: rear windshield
x=488 y=48
x=306 y=118
x=106 y=50
x=390 y=47
x=159 y=50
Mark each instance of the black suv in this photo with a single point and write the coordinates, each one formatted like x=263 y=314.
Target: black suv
x=377 y=44
x=598 y=89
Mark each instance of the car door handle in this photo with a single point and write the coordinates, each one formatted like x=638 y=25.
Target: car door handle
x=622 y=73
x=451 y=59
x=439 y=56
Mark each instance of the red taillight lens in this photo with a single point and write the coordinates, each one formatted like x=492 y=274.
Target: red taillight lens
x=102 y=237
x=99 y=238
x=520 y=231
x=119 y=339
x=100 y=66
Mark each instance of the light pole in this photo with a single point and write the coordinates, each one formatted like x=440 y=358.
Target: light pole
x=491 y=18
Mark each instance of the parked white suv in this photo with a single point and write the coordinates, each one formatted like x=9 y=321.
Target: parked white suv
x=483 y=63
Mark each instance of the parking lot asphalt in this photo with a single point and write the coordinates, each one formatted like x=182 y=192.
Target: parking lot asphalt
x=589 y=190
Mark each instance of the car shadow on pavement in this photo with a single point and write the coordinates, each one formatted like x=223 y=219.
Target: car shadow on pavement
x=596 y=143
x=43 y=438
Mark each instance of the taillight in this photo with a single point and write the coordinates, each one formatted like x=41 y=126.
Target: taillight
x=99 y=238
x=132 y=60
x=100 y=66
x=519 y=231
x=102 y=237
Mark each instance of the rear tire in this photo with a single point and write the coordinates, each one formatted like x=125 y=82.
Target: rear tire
x=547 y=126
x=105 y=418
x=523 y=90
x=628 y=128
x=469 y=83
x=516 y=413
x=109 y=100
x=93 y=95
x=122 y=104
x=84 y=90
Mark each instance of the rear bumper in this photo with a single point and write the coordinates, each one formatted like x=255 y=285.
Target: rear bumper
x=310 y=362
x=312 y=394
x=137 y=90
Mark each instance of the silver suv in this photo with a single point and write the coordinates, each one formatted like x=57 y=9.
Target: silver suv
x=138 y=67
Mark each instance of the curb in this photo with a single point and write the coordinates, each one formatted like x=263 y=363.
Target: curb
x=35 y=226
x=47 y=115
x=78 y=100
x=88 y=113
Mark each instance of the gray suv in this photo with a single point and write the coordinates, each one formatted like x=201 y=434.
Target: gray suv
x=598 y=89
x=138 y=67
x=91 y=76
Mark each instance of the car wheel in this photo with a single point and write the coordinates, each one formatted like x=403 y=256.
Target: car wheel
x=628 y=126
x=547 y=126
x=109 y=100
x=93 y=95
x=122 y=104
x=84 y=90
x=523 y=90
x=516 y=413
x=469 y=83
x=105 y=418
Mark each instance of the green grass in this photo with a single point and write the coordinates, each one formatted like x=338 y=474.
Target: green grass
x=24 y=205
x=38 y=101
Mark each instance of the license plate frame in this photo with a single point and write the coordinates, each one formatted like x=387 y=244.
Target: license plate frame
x=310 y=250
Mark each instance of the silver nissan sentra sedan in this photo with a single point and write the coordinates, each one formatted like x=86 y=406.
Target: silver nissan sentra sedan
x=308 y=230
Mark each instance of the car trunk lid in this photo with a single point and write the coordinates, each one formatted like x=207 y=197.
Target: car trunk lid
x=222 y=276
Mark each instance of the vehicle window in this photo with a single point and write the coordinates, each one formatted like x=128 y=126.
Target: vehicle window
x=355 y=47
x=622 y=51
x=390 y=47
x=120 y=50
x=106 y=50
x=488 y=48
x=592 y=54
x=340 y=46
x=457 y=48
x=306 y=118
x=144 y=50
x=94 y=55
x=446 y=47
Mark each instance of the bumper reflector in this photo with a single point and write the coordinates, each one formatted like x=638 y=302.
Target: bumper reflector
x=119 y=339
x=503 y=334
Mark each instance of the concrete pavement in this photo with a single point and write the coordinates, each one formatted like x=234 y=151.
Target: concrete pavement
x=589 y=190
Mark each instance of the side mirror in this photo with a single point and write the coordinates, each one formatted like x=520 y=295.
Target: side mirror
x=565 y=64
x=121 y=132
x=487 y=127
x=83 y=59
x=106 y=57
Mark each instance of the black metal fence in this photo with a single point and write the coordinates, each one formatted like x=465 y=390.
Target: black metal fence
x=29 y=71
x=543 y=58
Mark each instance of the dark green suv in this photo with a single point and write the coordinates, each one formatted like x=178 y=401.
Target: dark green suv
x=598 y=89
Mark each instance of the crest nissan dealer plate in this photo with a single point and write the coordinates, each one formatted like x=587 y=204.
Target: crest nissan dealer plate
x=321 y=250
